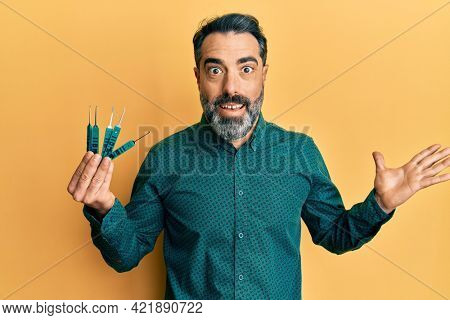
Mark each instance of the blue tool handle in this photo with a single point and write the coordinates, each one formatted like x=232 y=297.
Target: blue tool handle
x=112 y=139
x=95 y=138
x=108 y=133
x=127 y=146
x=89 y=138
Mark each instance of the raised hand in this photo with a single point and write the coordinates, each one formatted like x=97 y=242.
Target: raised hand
x=393 y=186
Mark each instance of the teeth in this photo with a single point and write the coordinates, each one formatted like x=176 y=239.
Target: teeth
x=233 y=107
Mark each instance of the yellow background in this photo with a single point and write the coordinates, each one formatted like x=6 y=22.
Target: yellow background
x=57 y=58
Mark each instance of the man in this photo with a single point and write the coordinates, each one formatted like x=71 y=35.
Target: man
x=230 y=190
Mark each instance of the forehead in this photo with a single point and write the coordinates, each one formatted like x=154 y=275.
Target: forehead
x=230 y=44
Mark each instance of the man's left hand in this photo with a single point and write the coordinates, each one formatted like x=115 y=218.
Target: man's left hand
x=393 y=186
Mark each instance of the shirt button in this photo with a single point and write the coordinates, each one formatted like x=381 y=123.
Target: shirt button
x=241 y=235
x=241 y=192
x=241 y=277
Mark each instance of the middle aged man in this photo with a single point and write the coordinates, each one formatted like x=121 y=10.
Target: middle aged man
x=230 y=190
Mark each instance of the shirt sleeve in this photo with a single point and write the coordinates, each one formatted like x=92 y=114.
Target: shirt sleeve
x=330 y=224
x=127 y=233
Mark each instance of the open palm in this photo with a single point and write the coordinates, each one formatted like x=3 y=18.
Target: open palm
x=394 y=186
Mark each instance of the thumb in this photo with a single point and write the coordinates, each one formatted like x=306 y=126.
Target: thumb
x=379 y=160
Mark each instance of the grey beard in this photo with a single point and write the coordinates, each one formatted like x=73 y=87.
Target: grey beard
x=236 y=127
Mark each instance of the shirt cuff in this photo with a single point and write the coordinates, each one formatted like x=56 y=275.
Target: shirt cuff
x=107 y=232
x=98 y=220
x=92 y=215
x=379 y=215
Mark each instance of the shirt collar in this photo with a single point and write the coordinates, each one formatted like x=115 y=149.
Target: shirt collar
x=254 y=141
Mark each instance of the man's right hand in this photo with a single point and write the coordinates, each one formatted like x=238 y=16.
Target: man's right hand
x=90 y=183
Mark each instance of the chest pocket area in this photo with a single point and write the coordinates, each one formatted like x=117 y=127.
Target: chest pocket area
x=200 y=204
x=276 y=200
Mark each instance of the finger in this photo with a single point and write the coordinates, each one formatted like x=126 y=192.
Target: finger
x=76 y=176
x=99 y=177
x=108 y=178
x=433 y=180
x=86 y=176
x=431 y=159
x=379 y=160
x=422 y=154
x=437 y=168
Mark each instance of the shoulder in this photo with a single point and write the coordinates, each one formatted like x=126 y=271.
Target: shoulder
x=279 y=135
x=297 y=145
x=176 y=141
x=164 y=153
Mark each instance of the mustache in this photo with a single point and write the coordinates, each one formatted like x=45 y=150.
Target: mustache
x=234 y=99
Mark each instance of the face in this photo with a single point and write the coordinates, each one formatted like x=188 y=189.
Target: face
x=230 y=80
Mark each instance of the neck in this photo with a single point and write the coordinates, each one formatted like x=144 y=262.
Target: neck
x=239 y=142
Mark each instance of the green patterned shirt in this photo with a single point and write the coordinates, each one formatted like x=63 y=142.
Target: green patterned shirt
x=231 y=217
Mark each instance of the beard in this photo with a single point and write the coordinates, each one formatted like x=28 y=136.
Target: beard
x=232 y=128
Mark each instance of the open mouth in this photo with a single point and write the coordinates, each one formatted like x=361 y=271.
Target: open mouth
x=232 y=106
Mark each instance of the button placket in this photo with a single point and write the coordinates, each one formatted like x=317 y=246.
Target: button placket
x=236 y=223
x=240 y=224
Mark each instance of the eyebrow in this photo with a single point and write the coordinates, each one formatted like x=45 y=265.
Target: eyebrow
x=239 y=61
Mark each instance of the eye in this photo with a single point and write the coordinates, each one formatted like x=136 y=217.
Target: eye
x=249 y=69
x=214 y=70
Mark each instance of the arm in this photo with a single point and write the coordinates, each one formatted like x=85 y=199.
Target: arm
x=125 y=234
x=331 y=225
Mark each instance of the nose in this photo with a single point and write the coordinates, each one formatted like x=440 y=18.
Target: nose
x=231 y=84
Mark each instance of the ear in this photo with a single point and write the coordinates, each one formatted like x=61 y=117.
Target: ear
x=197 y=76
x=265 y=68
